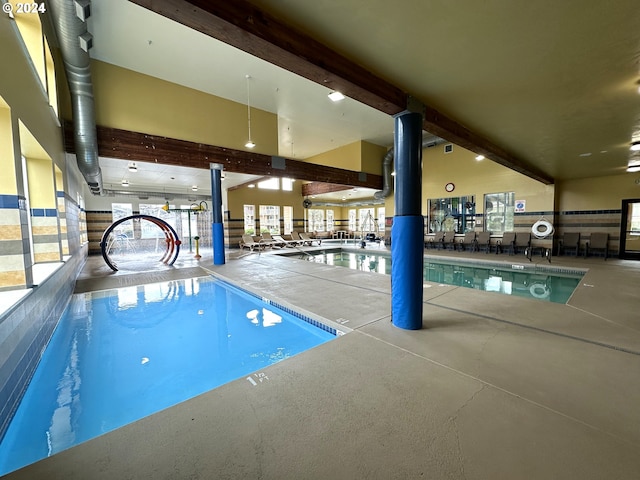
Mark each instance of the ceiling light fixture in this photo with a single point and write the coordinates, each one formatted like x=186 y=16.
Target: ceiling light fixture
x=336 y=96
x=635 y=146
x=133 y=167
x=125 y=183
x=251 y=185
x=633 y=168
x=249 y=143
x=480 y=157
x=194 y=188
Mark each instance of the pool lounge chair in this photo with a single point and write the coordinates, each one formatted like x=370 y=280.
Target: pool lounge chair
x=285 y=242
x=307 y=240
x=248 y=242
x=269 y=241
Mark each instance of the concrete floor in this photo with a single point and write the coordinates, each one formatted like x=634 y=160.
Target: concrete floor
x=493 y=387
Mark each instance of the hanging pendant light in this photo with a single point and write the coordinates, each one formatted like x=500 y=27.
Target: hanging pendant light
x=249 y=143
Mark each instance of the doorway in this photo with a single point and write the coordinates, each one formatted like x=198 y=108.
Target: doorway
x=630 y=229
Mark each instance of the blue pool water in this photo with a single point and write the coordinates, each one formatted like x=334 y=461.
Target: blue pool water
x=546 y=285
x=120 y=355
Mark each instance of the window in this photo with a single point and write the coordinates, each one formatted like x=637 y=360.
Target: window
x=271 y=184
x=381 y=219
x=270 y=218
x=367 y=220
x=455 y=214
x=287 y=184
x=330 y=221
x=150 y=230
x=316 y=220
x=352 y=219
x=250 y=219
x=498 y=212
x=288 y=219
x=122 y=210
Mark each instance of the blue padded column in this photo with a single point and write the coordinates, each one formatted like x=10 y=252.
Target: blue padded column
x=407 y=232
x=216 y=200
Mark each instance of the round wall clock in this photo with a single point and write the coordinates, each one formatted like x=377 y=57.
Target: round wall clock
x=449 y=187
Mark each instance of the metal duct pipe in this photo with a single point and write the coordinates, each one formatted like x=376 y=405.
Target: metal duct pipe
x=387 y=168
x=361 y=203
x=75 y=42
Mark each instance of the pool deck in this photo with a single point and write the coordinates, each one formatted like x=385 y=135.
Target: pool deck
x=493 y=386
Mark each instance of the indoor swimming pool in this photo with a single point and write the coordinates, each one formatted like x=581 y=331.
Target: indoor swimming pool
x=119 y=355
x=547 y=284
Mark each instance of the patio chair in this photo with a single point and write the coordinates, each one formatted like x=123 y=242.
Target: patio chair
x=468 y=240
x=435 y=241
x=248 y=242
x=507 y=243
x=449 y=240
x=483 y=242
x=598 y=242
x=522 y=243
x=569 y=241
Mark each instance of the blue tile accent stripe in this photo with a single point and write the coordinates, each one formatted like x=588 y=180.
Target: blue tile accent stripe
x=44 y=212
x=12 y=201
x=288 y=310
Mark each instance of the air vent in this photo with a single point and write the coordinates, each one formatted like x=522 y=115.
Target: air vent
x=448 y=148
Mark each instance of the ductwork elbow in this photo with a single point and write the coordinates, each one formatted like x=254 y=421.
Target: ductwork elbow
x=387 y=166
x=75 y=42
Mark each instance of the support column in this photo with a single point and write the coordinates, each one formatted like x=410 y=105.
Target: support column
x=407 y=232
x=216 y=209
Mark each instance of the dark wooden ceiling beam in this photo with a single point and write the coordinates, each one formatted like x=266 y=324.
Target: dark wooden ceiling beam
x=142 y=147
x=316 y=188
x=253 y=30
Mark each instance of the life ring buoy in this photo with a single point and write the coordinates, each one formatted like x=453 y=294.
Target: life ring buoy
x=539 y=290
x=542 y=229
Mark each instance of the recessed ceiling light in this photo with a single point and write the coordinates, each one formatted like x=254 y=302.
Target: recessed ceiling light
x=635 y=146
x=249 y=144
x=336 y=96
x=480 y=157
x=633 y=169
x=133 y=167
x=251 y=185
x=125 y=183
x=194 y=188
x=588 y=154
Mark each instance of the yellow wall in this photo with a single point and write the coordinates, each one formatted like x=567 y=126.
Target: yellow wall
x=347 y=157
x=602 y=193
x=258 y=196
x=8 y=184
x=371 y=157
x=129 y=100
x=357 y=156
x=472 y=177
x=41 y=187
x=26 y=96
